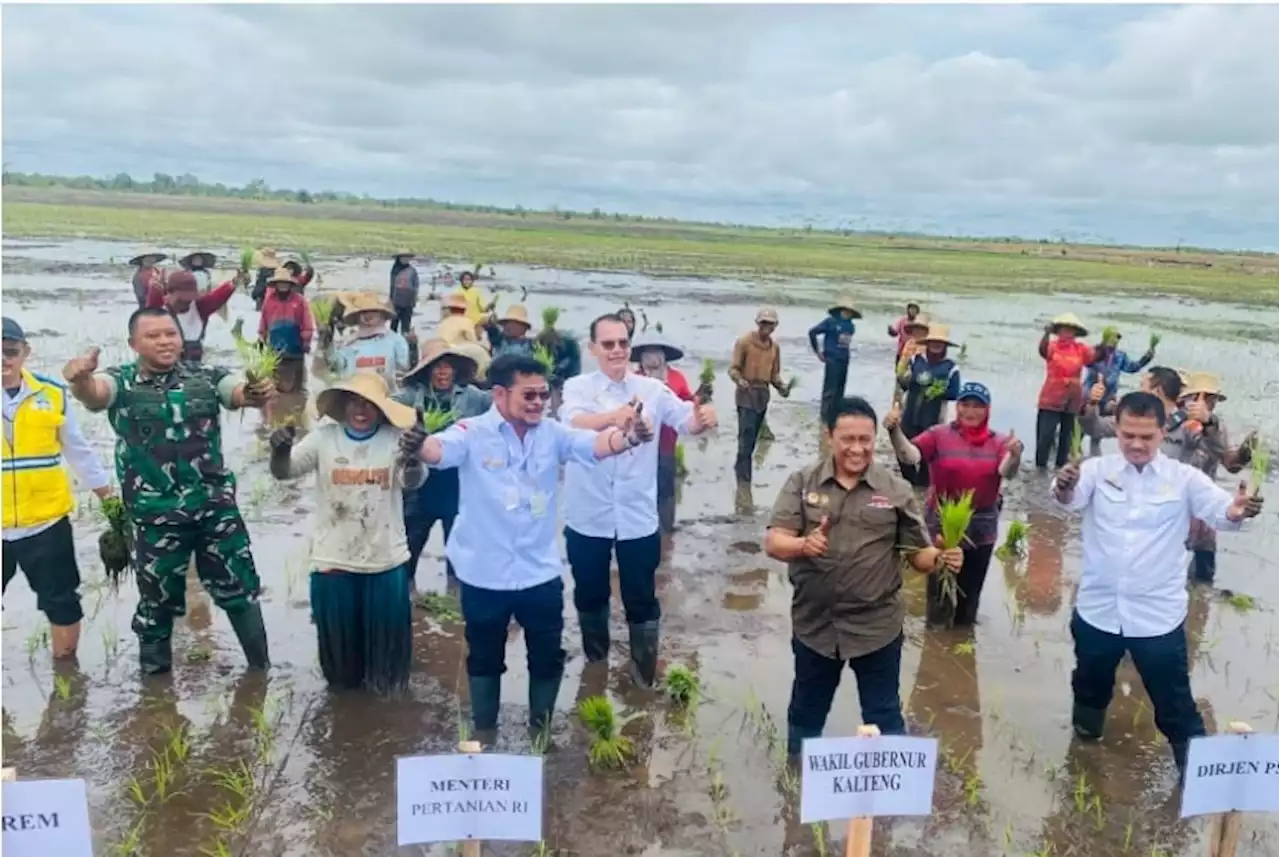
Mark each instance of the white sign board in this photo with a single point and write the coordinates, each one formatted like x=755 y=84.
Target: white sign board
x=44 y=817
x=1232 y=772
x=855 y=777
x=468 y=796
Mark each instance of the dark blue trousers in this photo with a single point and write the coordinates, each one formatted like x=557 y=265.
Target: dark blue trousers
x=817 y=677
x=539 y=610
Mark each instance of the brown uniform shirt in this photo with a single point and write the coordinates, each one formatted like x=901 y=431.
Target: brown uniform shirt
x=848 y=603
x=760 y=365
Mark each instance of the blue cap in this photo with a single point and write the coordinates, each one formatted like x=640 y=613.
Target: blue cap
x=974 y=390
x=13 y=330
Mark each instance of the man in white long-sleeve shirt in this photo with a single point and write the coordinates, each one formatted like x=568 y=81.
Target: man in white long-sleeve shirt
x=1136 y=506
x=40 y=439
x=613 y=506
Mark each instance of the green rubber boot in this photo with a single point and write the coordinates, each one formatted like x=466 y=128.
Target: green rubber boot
x=252 y=634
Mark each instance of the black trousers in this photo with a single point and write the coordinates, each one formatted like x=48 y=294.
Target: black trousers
x=403 y=320
x=666 y=493
x=539 y=610
x=972 y=575
x=590 y=560
x=435 y=502
x=834 y=375
x=1161 y=662
x=817 y=677
x=1051 y=426
x=749 y=421
x=48 y=559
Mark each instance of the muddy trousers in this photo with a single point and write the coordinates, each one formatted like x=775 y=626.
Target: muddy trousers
x=814 y=688
x=666 y=493
x=436 y=500
x=1162 y=664
x=162 y=552
x=539 y=610
x=1203 y=544
x=364 y=628
x=969 y=581
x=835 y=373
x=1053 y=428
x=48 y=559
x=749 y=421
x=403 y=322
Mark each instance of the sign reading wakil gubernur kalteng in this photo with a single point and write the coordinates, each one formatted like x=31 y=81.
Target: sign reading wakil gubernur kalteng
x=43 y=818
x=468 y=796
x=1232 y=772
x=858 y=777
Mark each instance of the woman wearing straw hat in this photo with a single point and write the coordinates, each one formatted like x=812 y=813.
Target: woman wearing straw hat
x=373 y=348
x=404 y=290
x=267 y=261
x=148 y=274
x=359 y=555
x=200 y=263
x=454 y=325
x=653 y=353
x=441 y=382
x=928 y=381
x=1062 y=394
x=509 y=334
x=287 y=325
x=837 y=331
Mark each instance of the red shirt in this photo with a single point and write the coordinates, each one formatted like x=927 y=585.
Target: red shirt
x=957 y=466
x=679 y=385
x=1065 y=362
x=294 y=308
x=206 y=304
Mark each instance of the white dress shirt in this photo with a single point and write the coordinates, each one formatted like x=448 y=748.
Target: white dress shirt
x=76 y=451
x=1134 y=533
x=618 y=498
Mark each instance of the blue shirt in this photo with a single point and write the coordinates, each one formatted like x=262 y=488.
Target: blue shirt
x=618 y=498
x=837 y=336
x=1110 y=370
x=505 y=534
x=386 y=353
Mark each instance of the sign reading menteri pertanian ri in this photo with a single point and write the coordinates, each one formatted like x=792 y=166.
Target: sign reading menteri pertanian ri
x=1232 y=772
x=46 y=817
x=468 y=796
x=856 y=777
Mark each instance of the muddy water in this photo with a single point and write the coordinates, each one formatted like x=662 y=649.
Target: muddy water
x=280 y=766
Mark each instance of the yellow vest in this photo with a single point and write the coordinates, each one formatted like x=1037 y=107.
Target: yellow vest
x=36 y=486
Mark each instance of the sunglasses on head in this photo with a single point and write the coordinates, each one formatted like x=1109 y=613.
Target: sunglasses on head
x=612 y=344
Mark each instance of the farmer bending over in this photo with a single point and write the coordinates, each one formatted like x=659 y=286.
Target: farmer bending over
x=177 y=489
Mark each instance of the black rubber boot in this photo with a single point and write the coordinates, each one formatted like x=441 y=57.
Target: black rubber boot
x=1088 y=722
x=486 y=696
x=542 y=702
x=644 y=653
x=1180 y=759
x=595 y=634
x=252 y=634
x=1203 y=566
x=155 y=656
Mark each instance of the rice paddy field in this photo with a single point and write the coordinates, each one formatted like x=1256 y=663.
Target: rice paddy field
x=215 y=761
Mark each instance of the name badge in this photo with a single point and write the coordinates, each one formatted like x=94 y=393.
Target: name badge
x=510 y=499
x=878 y=501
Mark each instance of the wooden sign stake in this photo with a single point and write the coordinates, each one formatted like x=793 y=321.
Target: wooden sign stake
x=8 y=775
x=470 y=848
x=858 y=841
x=1224 y=828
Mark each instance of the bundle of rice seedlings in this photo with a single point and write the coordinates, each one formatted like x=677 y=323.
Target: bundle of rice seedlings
x=609 y=748
x=306 y=259
x=1261 y=461
x=258 y=359
x=543 y=355
x=237 y=332
x=706 y=382
x=681 y=470
x=1015 y=540
x=322 y=311
x=1153 y=342
x=954 y=516
x=790 y=385
x=963 y=352
x=682 y=686
x=438 y=419
x=936 y=390
x=247 y=255
x=115 y=545
x=765 y=435
x=550 y=316
x=1077 y=443
x=657 y=325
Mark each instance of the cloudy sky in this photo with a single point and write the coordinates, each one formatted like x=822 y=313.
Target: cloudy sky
x=1146 y=124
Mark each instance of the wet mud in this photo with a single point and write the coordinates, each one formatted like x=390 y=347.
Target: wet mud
x=213 y=760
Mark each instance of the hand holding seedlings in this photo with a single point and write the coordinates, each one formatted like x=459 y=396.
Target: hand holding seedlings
x=1065 y=481
x=258 y=391
x=1261 y=464
x=704 y=418
x=1096 y=392
x=1245 y=504
x=624 y=416
x=281 y=440
x=79 y=369
x=642 y=427
x=411 y=441
x=815 y=543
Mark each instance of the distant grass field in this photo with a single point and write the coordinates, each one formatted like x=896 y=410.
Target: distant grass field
x=656 y=247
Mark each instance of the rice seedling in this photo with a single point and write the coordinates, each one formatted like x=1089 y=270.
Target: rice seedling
x=681 y=470
x=436 y=419
x=550 y=316
x=230 y=818
x=1077 y=442
x=1015 y=540
x=972 y=789
x=964 y=647
x=706 y=382
x=199 y=655
x=963 y=352
x=1008 y=835
x=1261 y=465
x=819 y=837
x=110 y=642
x=789 y=386
x=135 y=791
x=682 y=686
x=440 y=606
x=115 y=545
x=163 y=775
x=177 y=742
x=1241 y=601
x=322 y=311
x=936 y=390
x=218 y=849
x=1153 y=342
x=1080 y=793
x=236 y=780
x=1096 y=806
x=258 y=359
x=62 y=687
x=1128 y=837
x=609 y=748
x=543 y=355
x=954 y=517
x=37 y=640
x=131 y=842
x=247 y=255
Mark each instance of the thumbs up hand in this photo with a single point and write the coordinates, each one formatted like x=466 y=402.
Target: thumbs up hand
x=815 y=543
x=1245 y=504
x=1013 y=446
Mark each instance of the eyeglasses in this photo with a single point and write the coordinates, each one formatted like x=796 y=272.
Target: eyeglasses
x=12 y=351
x=611 y=344
x=535 y=395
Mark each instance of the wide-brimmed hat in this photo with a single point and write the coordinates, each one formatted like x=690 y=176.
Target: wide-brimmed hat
x=1195 y=383
x=846 y=303
x=1110 y=332
x=1068 y=319
x=650 y=340
x=516 y=313
x=939 y=333
x=768 y=314
x=154 y=255
x=371 y=387
x=282 y=275
x=921 y=321
x=435 y=350
x=454 y=300
x=408 y=253
x=210 y=259
x=267 y=258
x=364 y=302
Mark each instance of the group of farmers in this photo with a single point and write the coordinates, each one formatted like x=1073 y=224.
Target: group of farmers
x=461 y=435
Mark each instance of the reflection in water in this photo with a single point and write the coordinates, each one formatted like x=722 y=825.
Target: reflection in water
x=1040 y=590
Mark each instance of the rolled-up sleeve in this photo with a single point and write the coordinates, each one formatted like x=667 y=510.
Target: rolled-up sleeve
x=788 y=509
x=82 y=459
x=574 y=401
x=575 y=444
x=454 y=444
x=676 y=413
x=913 y=535
x=1207 y=501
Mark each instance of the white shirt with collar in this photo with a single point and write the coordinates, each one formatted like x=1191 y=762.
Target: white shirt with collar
x=1134 y=532
x=618 y=497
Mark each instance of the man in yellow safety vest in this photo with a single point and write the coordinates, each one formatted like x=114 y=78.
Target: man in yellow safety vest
x=39 y=431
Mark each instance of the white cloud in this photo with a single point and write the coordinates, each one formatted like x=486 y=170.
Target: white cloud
x=1153 y=124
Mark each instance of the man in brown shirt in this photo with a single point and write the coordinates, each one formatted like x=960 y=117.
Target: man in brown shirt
x=844 y=525
x=756 y=365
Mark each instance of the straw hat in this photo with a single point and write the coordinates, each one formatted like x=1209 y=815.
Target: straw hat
x=939 y=333
x=1207 y=383
x=267 y=258
x=282 y=275
x=371 y=387
x=846 y=303
x=920 y=322
x=516 y=313
x=154 y=255
x=408 y=253
x=650 y=340
x=435 y=350
x=210 y=259
x=768 y=314
x=354 y=304
x=454 y=300
x=478 y=354
x=1068 y=319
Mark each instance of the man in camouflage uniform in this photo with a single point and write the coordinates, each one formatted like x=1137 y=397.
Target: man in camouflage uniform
x=180 y=496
